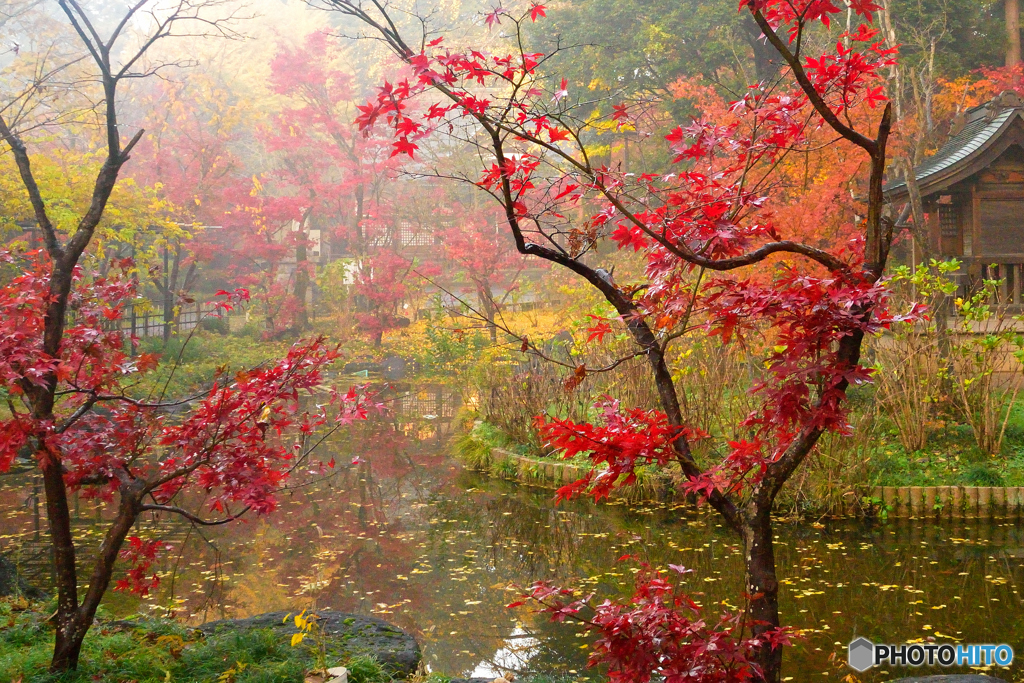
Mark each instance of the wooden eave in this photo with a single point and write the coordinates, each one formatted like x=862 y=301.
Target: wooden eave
x=965 y=156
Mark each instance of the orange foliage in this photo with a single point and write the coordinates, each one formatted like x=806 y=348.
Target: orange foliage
x=813 y=188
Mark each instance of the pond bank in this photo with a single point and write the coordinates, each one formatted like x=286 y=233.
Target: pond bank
x=925 y=502
x=552 y=474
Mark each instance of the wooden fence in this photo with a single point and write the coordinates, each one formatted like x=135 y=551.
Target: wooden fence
x=150 y=322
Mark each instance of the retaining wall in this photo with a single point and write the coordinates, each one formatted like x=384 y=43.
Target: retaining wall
x=943 y=502
x=936 y=502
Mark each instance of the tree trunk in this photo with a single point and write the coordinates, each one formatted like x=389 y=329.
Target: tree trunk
x=67 y=646
x=68 y=635
x=168 y=297
x=490 y=308
x=73 y=620
x=301 y=285
x=762 y=586
x=1012 y=32
x=943 y=303
x=766 y=59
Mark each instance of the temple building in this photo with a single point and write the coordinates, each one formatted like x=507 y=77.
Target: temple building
x=972 y=190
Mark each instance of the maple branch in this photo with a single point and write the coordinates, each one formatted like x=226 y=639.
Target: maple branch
x=77 y=415
x=21 y=158
x=813 y=96
x=530 y=345
x=495 y=126
x=94 y=44
x=124 y=22
x=150 y=507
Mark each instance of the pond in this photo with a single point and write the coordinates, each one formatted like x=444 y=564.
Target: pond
x=408 y=535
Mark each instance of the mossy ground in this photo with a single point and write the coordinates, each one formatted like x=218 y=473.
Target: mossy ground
x=160 y=651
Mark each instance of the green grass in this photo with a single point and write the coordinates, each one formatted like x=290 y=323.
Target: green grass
x=950 y=459
x=200 y=360
x=472 y=451
x=506 y=468
x=162 y=651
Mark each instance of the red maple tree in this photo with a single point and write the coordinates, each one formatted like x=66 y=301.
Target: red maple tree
x=190 y=156
x=483 y=255
x=325 y=175
x=715 y=259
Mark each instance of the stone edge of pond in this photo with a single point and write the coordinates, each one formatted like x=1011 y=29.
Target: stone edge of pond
x=13 y=584
x=919 y=502
x=395 y=648
x=947 y=502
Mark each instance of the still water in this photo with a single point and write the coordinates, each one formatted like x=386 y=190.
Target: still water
x=408 y=535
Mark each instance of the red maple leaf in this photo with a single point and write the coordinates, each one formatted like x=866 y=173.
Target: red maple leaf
x=403 y=146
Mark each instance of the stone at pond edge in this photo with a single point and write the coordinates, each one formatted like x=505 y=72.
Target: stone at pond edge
x=950 y=678
x=353 y=634
x=13 y=585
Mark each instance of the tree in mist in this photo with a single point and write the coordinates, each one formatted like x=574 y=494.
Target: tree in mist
x=68 y=380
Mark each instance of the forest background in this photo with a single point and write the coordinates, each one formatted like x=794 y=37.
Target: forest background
x=254 y=173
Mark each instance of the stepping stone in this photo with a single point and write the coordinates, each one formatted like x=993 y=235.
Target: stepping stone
x=953 y=678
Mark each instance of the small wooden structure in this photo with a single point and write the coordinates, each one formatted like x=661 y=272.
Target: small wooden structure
x=973 y=195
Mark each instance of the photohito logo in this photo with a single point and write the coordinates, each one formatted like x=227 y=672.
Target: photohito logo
x=863 y=654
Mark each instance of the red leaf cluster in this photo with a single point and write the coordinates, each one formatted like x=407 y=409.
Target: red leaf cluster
x=660 y=633
x=625 y=440
x=237 y=443
x=139 y=555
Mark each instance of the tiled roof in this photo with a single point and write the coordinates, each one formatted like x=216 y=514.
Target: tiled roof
x=976 y=133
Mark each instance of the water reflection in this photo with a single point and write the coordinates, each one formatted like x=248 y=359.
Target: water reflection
x=406 y=534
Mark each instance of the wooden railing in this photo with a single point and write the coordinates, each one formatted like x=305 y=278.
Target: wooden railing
x=1011 y=274
x=1010 y=271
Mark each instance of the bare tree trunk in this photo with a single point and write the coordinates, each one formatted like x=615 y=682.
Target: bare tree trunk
x=1012 y=32
x=67 y=638
x=942 y=304
x=918 y=228
x=302 y=271
x=490 y=307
